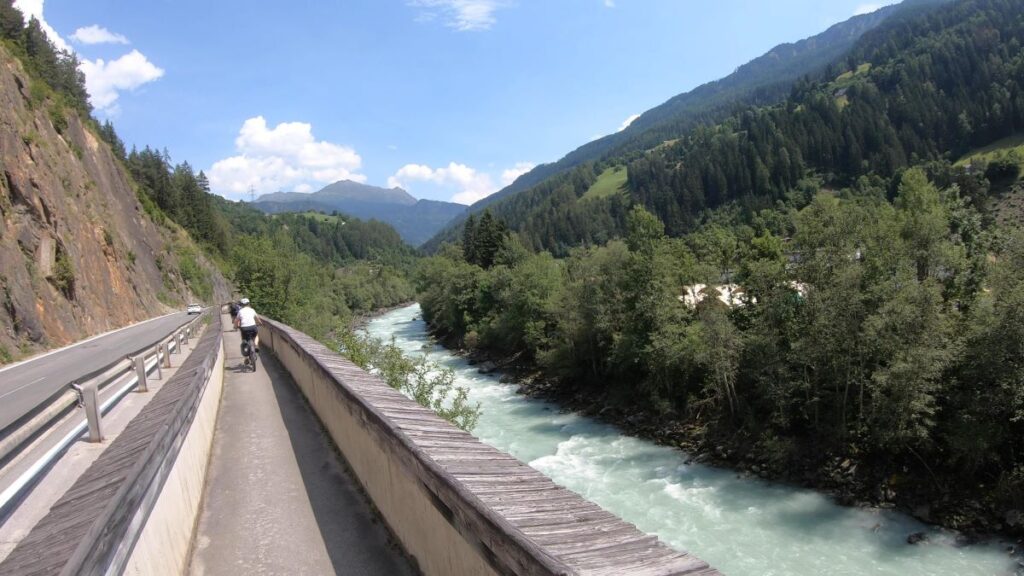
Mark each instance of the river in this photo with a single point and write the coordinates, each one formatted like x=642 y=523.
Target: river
x=740 y=525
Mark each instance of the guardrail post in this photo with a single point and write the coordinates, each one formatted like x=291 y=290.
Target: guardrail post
x=181 y=342
x=188 y=333
x=88 y=398
x=159 y=369
x=140 y=371
x=166 y=350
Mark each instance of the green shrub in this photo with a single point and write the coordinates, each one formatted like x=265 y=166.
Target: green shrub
x=37 y=93
x=423 y=381
x=193 y=274
x=59 y=118
x=64 y=274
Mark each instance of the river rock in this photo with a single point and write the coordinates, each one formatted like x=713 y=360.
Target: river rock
x=487 y=367
x=1014 y=518
x=917 y=538
x=923 y=511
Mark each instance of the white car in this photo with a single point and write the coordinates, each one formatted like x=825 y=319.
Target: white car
x=194 y=309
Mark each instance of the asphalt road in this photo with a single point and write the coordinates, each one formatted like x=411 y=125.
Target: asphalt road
x=25 y=386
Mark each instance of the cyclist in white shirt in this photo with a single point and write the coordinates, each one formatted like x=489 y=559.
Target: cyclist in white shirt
x=247 y=320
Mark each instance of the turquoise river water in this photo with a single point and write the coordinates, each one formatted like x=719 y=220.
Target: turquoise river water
x=740 y=525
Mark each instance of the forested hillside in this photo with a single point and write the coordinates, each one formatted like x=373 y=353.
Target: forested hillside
x=414 y=220
x=929 y=85
x=813 y=290
x=763 y=81
x=311 y=270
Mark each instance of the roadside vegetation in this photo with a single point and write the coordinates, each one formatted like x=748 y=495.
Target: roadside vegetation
x=872 y=345
x=885 y=335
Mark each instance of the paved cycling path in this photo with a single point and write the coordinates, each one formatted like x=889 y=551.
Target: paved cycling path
x=277 y=498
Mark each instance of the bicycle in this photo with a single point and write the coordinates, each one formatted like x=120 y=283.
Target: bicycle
x=252 y=356
x=249 y=351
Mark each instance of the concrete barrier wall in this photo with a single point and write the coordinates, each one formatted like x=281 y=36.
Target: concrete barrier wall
x=458 y=506
x=423 y=531
x=163 y=546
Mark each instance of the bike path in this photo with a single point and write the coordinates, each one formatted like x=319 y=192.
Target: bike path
x=278 y=499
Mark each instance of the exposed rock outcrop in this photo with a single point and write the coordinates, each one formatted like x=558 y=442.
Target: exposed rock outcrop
x=78 y=255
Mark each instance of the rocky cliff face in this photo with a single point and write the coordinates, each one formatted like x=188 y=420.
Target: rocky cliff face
x=78 y=255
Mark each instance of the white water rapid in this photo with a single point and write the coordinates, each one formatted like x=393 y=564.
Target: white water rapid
x=743 y=526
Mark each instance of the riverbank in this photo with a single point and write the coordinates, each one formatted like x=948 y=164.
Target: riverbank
x=737 y=521
x=848 y=479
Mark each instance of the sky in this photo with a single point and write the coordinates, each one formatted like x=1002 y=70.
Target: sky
x=449 y=99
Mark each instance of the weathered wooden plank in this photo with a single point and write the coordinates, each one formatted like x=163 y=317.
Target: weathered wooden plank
x=528 y=523
x=91 y=516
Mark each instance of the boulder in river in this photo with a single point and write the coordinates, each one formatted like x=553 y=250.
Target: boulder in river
x=1015 y=518
x=917 y=538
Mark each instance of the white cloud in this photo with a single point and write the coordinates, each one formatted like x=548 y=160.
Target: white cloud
x=609 y=3
x=471 y=184
x=627 y=122
x=34 y=9
x=463 y=15
x=871 y=7
x=97 y=35
x=510 y=174
x=467 y=185
x=286 y=157
x=106 y=80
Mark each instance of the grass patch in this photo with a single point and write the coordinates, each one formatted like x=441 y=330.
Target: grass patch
x=997 y=150
x=321 y=217
x=848 y=77
x=318 y=216
x=611 y=181
x=195 y=277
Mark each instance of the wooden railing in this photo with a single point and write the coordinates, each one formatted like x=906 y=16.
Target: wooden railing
x=458 y=506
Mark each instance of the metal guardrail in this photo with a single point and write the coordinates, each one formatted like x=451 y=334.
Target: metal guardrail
x=83 y=392
x=107 y=547
x=94 y=528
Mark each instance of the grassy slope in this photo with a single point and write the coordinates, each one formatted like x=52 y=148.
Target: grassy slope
x=1008 y=205
x=996 y=150
x=611 y=181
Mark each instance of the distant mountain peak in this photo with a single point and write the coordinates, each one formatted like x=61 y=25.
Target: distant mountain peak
x=416 y=220
x=346 y=190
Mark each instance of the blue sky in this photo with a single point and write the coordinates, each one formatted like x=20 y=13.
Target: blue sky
x=450 y=99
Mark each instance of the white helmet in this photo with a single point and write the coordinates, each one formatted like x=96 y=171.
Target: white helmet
x=244 y=301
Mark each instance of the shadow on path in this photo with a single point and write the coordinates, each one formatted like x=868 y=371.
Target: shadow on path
x=357 y=540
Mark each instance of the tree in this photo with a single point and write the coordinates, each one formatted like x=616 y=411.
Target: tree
x=12 y=22
x=924 y=221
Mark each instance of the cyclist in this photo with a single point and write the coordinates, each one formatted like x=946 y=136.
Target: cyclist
x=246 y=320
x=234 y=313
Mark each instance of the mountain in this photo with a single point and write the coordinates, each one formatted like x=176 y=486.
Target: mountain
x=346 y=191
x=764 y=80
x=415 y=220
